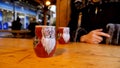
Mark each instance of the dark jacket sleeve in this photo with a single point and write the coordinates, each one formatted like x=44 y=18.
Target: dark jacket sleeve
x=79 y=32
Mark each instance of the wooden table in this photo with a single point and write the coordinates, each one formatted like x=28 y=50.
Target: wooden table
x=19 y=53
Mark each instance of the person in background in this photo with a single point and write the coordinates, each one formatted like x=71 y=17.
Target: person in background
x=31 y=27
x=16 y=25
x=95 y=17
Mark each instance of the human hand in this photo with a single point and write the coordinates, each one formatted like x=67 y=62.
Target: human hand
x=94 y=36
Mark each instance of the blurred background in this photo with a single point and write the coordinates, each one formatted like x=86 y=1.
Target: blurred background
x=25 y=10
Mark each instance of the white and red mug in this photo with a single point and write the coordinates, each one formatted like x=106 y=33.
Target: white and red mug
x=63 y=35
x=45 y=41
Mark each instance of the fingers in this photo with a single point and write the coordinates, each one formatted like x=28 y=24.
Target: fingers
x=94 y=36
x=98 y=32
x=94 y=41
x=103 y=34
x=91 y=39
x=98 y=38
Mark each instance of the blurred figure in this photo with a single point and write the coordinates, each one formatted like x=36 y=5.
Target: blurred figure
x=16 y=25
x=31 y=27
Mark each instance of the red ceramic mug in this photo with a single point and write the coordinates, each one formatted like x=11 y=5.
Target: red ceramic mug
x=63 y=35
x=45 y=41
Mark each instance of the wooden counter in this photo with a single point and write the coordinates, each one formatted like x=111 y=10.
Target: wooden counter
x=18 y=32
x=19 y=53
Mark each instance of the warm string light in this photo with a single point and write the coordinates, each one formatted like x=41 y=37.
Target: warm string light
x=47 y=3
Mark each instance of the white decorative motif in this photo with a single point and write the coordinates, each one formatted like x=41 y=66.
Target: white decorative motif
x=48 y=39
x=66 y=35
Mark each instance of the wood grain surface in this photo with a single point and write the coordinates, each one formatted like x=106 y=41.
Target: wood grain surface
x=19 y=53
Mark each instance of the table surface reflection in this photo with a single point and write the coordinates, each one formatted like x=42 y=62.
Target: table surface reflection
x=19 y=53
